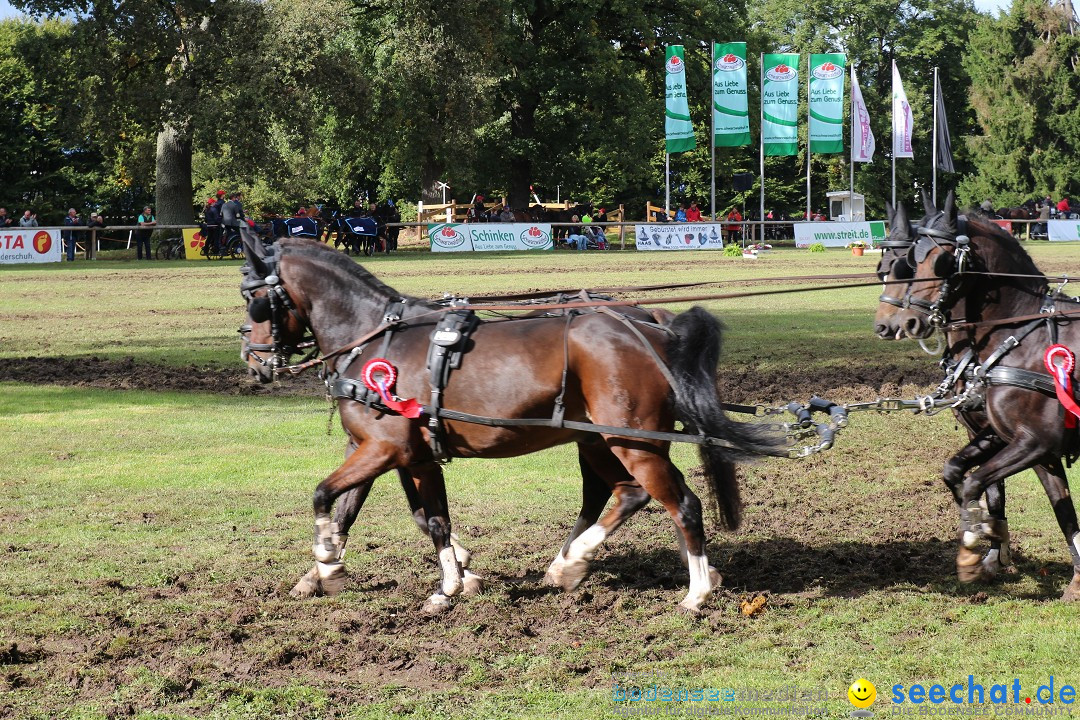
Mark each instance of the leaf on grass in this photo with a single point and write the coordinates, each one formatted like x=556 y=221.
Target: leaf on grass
x=753 y=607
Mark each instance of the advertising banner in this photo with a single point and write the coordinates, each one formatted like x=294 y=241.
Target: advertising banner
x=731 y=116
x=839 y=234
x=30 y=245
x=193 y=244
x=1063 y=230
x=466 y=237
x=827 y=103
x=677 y=126
x=780 y=104
x=675 y=236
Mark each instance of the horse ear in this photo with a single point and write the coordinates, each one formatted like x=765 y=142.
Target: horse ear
x=927 y=203
x=950 y=208
x=889 y=212
x=900 y=226
x=254 y=252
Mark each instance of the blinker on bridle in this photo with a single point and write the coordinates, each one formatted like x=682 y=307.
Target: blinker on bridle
x=271 y=307
x=949 y=263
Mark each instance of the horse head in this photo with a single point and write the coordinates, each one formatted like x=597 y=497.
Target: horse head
x=945 y=258
x=891 y=268
x=274 y=329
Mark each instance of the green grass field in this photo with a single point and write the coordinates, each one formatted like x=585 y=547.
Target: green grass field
x=149 y=535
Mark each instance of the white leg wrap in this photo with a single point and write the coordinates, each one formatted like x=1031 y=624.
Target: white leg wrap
x=451 y=573
x=324 y=549
x=1076 y=541
x=328 y=570
x=464 y=557
x=700 y=583
x=584 y=547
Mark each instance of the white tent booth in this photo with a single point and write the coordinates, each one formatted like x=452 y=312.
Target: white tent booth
x=845 y=206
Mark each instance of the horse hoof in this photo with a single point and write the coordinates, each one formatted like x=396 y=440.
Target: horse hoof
x=1072 y=592
x=437 y=604
x=690 y=607
x=573 y=573
x=332 y=578
x=307 y=587
x=968 y=566
x=715 y=578
x=473 y=584
x=552 y=578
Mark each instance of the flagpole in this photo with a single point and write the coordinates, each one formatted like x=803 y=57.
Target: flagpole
x=712 y=141
x=807 y=137
x=851 y=152
x=761 y=139
x=893 y=134
x=933 y=162
x=667 y=184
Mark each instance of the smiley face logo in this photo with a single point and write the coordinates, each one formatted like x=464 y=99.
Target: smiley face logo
x=862 y=693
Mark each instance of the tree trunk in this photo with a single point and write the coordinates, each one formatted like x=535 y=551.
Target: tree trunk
x=430 y=174
x=174 y=191
x=523 y=131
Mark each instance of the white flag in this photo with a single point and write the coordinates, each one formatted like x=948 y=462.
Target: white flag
x=862 y=137
x=901 y=118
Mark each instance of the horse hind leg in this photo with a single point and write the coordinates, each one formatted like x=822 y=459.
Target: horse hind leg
x=595 y=493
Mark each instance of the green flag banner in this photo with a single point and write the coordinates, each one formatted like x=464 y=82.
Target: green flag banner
x=780 y=104
x=827 y=103
x=730 y=115
x=677 y=126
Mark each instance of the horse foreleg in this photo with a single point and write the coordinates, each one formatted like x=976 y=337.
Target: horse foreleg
x=410 y=484
x=358 y=472
x=1021 y=454
x=595 y=493
x=1056 y=485
x=983 y=446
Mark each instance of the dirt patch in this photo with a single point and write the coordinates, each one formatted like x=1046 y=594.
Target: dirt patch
x=739 y=384
x=127 y=374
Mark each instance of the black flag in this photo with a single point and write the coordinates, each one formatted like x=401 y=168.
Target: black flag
x=944 y=144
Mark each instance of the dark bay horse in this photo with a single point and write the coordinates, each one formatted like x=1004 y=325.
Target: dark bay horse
x=894 y=271
x=513 y=368
x=979 y=285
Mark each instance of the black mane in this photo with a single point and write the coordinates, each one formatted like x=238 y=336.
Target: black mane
x=1016 y=258
x=341 y=263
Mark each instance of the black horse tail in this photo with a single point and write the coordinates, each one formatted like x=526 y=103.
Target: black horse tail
x=693 y=352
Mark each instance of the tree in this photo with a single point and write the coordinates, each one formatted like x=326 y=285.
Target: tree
x=1025 y=91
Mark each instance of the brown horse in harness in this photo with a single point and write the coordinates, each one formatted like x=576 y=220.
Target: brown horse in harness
x=553 y=371
x=976 y=283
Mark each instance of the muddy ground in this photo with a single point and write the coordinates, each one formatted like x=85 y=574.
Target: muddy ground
x=203 y=644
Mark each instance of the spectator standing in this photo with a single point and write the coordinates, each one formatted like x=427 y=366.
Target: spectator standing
x=680 y=214
x=734 y=231
x=987 y=207
x=212 y=225
x=70 y=236
x=28 y=219
x=142 y=237
x=693 y=214
x=5 y=219
x=392 y=216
